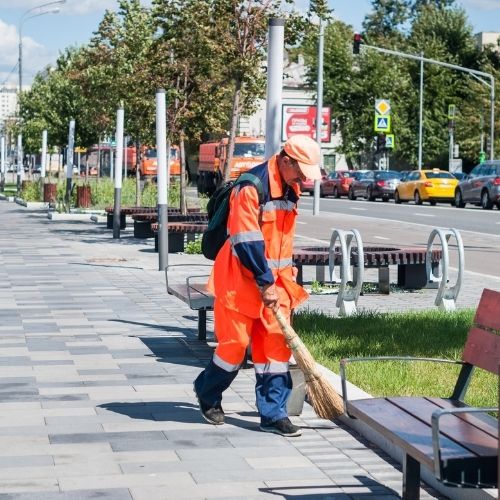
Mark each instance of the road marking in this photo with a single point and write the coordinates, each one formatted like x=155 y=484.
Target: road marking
x=380 y=238
x=356 y=208
x=300 y=222
x=424 y=215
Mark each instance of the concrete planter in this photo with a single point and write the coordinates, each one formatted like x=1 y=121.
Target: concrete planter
x=296 y=401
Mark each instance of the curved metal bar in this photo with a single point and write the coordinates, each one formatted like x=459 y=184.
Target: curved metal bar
x=436 y=415
x=337 y=234
x=348 y=295
x=446 y=295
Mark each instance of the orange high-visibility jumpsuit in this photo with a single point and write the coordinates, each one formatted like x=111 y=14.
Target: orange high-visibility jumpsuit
x=258 y=252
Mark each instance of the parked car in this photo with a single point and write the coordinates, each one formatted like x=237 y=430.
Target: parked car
x=460 y=176
x=405 y=174
x=338 y=182
x=375 y=184
x=427 y=185
x=481 y=187
x=307 y=186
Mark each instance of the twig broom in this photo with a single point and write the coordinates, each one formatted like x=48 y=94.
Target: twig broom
x=323 y=397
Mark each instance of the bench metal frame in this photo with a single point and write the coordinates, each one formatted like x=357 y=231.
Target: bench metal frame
x=411 y=466
x=190 y=300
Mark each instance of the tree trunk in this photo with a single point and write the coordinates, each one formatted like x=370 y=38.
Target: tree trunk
x=182 y=176
x=138 y=157
x=232 y=134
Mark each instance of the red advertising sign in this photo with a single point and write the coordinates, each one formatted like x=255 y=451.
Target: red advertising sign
x=300 y=119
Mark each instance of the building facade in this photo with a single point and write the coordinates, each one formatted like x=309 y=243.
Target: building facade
x=488 y=39
x=8 y=103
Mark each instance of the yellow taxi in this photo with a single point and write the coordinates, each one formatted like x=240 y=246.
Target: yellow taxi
x=427 y=185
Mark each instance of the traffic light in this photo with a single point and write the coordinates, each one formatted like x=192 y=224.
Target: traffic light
x=381 y=142
x=482 y=157
x=356 y=43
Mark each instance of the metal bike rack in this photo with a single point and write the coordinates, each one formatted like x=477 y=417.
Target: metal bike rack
x=446 y=295
x=348 y=293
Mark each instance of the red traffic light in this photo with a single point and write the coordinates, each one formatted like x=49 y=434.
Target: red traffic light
x=356 y=43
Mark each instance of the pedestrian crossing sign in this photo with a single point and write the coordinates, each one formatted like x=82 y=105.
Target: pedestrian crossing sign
x=382 y=123
x=389 y=141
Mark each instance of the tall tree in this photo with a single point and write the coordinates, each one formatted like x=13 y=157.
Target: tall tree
x=386 y=18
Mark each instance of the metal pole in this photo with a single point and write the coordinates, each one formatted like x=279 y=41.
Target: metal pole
x=450 y=159
x=2 y=162
x=120 y=116
x=111 y=163
x=481 y=125
x=162 y=174
x=69 y=161
x=276 y=35
x=20 y=62
x=319 y=111
x=19 y=161
x=44 y=154
x=492 y=125
x=421 y=114
x=125 y=150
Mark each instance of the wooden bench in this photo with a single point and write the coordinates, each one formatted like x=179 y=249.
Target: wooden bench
x=124 y=211
x=412 y=271
x=143 y=221
x=195 y=294
x=457 y=442
x=176 y=233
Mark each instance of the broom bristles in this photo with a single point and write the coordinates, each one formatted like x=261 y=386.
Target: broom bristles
x=324 y=399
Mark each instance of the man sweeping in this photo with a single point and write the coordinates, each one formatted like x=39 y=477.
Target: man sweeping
x=253 y=276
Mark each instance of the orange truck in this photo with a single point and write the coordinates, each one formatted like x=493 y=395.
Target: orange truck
x=149 y=162
x=248 y=152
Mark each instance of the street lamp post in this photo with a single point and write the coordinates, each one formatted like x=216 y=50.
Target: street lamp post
x=319 y=111
x=40 y=10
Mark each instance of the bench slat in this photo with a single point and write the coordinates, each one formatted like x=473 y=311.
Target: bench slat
x=458 y=430
x=198 y=300
x=482 y=421
x=487 y=312
x=407 y=432
x=482 y=349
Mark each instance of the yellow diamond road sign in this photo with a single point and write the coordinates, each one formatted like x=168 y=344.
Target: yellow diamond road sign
x=383 y=107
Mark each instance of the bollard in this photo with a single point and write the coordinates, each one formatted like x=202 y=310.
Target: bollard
x=348 y=295
x=446 y=295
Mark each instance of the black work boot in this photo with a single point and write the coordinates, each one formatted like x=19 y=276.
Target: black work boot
x=283 y=427
x=212 y=414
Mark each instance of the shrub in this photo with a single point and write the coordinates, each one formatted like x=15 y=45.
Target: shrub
x=32 y=191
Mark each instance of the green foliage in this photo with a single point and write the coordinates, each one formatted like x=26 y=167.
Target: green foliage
x=193 y=247
x=441 y=31
x=430 y=333
x=32 y=191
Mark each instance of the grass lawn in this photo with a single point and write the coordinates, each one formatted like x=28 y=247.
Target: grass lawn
x=430 y=333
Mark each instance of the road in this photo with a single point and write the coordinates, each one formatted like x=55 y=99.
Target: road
x=387 y=224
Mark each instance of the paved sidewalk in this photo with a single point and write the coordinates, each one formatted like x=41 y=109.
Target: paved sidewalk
x=96 y=400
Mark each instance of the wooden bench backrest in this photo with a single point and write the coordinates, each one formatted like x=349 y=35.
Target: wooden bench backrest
x=482 y=348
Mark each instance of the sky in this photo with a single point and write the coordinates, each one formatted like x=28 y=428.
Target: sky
x=44 y=37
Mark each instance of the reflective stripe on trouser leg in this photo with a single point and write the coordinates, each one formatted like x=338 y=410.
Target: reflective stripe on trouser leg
x=270 y=355
x=232 y=330
x=212 y=382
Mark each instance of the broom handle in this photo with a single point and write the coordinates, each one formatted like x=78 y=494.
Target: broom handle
x=289 y=333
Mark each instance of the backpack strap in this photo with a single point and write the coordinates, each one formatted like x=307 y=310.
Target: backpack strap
x=248 y=178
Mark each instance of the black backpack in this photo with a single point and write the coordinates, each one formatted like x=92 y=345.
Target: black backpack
x=218 y=211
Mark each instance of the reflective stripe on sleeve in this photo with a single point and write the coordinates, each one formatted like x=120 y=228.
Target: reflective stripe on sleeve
x=279 y=263
x=286 y=205
x=271 y=367
x=246 y=236
x=228 y=367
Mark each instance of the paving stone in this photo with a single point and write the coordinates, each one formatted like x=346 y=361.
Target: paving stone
x=96 y=379
x=108 y=494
